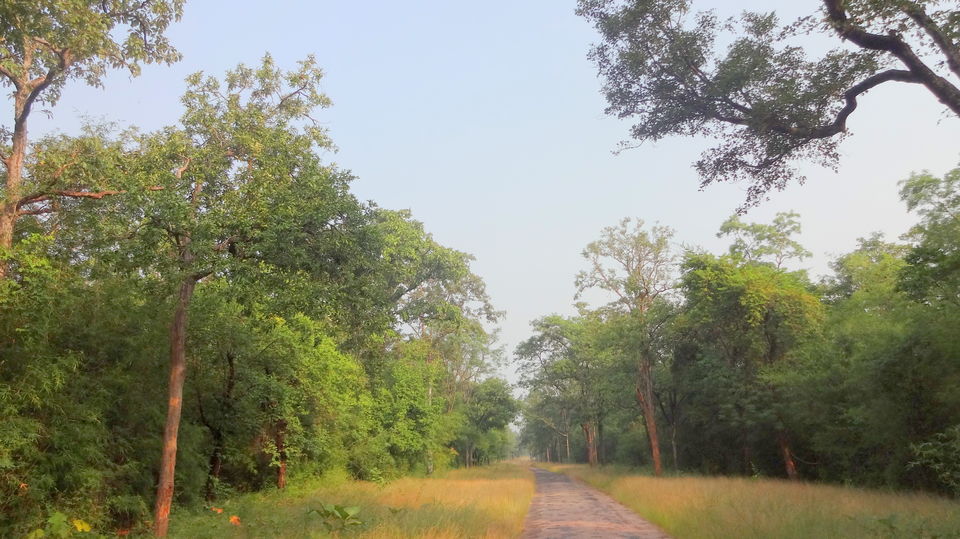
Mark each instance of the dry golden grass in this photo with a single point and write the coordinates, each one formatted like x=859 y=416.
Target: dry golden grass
x=488 y=502
x=718 y=507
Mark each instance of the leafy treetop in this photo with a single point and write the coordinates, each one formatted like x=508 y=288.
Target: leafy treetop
x=768 y=101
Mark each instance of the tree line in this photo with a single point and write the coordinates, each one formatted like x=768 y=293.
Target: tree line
x=206 y=309
x=736 y=364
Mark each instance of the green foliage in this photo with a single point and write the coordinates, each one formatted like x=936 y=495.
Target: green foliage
x=297 y=364
x=60 y=40
x=931 y=273
x=337 y=518
x=750 y=83
x=852 y=379
x=632 y=264
x=758 y=242
x=59 y=525
x=941 y=455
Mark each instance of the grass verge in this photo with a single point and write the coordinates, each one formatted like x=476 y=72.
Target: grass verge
x=715 y=507
x=490 y=501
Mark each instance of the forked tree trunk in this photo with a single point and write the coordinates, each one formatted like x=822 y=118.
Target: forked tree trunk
x=789 y=465
x=178 y=374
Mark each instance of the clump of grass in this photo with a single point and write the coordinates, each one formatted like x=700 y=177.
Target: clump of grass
x=695 y=507
x=489 y=501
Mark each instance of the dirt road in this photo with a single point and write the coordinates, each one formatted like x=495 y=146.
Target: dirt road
x=567 y=509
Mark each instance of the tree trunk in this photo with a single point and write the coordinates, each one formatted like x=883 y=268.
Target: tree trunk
x=601 y=452
x=216 y=463
x=747 y=458
x=14 y=166
x=178 y=373
x=673 y=445
x=789 y=465
x=216 y=456
x=429 y=453
x=566 y=438
x=645 y=399
x=281 y=442
x=591 y=441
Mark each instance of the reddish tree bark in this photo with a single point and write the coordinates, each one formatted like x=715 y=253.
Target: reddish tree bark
x=178 y=374
x=788 y=463
x=26 y=92
x=648 y=410
x=14 y=164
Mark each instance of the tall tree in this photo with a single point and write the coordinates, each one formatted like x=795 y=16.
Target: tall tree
x=208 y=196
x=637 y=267
x=45 y=43
x=561 y=364
x=752 y=317
x=769 y=102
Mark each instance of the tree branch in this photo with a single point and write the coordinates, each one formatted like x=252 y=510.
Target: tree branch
x=839 y=123
x=41 y=197
x=17 y=84
x=948 y=48
x=947 y=93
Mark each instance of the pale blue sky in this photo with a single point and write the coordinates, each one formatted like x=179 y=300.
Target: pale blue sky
x=485 y=119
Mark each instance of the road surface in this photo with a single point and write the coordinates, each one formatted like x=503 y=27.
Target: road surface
x=563 y=508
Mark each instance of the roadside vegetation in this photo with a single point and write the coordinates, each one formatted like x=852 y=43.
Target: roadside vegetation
x=741 y=363
x=715 y=507
x=203 y=320
x=206 y=311
x=489 y=501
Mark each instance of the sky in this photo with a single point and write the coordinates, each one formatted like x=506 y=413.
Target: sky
x=486 y=120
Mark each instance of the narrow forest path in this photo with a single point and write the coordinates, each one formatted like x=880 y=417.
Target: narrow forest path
x=568 y=509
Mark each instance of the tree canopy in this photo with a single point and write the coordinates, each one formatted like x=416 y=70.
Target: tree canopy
x=750 y=83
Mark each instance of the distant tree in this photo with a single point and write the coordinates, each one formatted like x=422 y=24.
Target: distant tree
x=561 y=363
x=637 y=267
x=768 y=101
x=45 y=43
x=758 y=242
x=491 y=407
